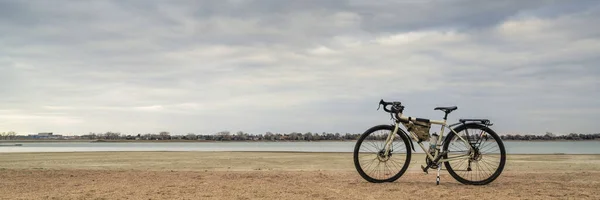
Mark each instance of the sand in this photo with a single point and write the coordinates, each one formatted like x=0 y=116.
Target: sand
x=272 y=175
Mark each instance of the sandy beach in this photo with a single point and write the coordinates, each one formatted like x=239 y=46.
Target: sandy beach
x=275 y=175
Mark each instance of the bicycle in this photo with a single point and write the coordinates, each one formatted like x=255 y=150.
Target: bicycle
x=476 y=155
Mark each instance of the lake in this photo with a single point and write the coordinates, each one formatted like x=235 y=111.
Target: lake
x=512 y=147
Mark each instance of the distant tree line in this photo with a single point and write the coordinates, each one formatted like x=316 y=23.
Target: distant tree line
x=8 y=135
x=225 y=136
x=551 y=136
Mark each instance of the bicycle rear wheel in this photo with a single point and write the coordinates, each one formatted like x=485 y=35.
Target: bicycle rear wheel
x=369 y=156
x=480 y=166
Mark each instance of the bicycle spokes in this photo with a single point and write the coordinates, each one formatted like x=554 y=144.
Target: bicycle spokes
x=376 y=161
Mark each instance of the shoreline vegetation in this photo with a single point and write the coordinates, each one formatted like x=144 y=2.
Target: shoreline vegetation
x=226 y=136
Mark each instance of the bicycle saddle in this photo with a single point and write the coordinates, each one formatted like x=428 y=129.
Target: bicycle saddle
x=446 y=109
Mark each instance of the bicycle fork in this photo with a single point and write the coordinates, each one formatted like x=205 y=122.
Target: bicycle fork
x=388 y=141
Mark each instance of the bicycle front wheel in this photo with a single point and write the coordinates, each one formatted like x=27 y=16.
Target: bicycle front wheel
x=482 y=163
x=371 y=160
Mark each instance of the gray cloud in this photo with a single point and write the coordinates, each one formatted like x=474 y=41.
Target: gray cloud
x=206 y=66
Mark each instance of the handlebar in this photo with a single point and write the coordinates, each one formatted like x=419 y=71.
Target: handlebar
x=396 y=106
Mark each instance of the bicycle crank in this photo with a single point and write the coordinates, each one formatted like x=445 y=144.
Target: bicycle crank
x=432 y=163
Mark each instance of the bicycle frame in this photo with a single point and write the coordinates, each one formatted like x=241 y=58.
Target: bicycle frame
x=443 y=125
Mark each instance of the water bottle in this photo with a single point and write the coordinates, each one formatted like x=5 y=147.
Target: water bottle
x=433 y=142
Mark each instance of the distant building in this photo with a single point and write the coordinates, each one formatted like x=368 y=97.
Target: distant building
x=49 y=135
x=44 y=134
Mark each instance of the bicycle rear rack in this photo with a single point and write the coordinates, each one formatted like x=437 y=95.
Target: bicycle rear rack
x=485 y=122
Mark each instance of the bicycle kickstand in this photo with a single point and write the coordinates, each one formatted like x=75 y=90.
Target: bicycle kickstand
x=437 y=180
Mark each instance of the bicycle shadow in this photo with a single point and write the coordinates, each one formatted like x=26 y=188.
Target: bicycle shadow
x=419 y=180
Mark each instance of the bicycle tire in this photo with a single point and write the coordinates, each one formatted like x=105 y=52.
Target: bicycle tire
x=502 y=151
x=357 y=147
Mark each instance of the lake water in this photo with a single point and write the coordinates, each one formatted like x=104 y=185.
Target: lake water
x=581 y=147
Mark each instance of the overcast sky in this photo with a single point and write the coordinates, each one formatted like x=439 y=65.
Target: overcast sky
x=74 y=67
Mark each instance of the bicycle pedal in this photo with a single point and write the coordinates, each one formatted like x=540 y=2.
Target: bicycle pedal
x=424 y=169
